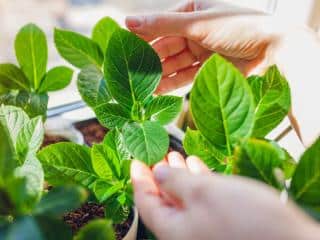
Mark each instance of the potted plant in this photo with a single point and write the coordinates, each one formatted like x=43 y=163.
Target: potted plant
x=27 y=85
x=26 y=210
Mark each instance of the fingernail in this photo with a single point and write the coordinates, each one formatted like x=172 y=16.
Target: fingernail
x=161 y=173
x=133 y=21
x=137 y=170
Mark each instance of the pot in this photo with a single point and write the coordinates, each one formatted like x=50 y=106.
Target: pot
x=132 y=233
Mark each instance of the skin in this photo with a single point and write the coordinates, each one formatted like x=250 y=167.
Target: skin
x=188 y=34
x=182 y=199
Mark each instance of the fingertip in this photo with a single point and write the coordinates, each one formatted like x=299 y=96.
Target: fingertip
x=133 y=21
x=139 y=170
x=196 y=166
x=161 y=173
x=176 y=160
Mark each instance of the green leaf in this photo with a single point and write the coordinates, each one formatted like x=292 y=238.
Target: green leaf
x=103 y=31
x=105 y=163
x=273 y=100
x=259 y=159
x=77 y=49
x=13 y=119
x=135 y=73
x=30 y=138
x=112 y=115
x=92 y=86
x=7 y=162
x=305 y=185
x=147 y=141
x=97 y=230
x=56 y=79
x=11 y=77
x=164 y=109
x=114 y=140
x=104 y=190
x=116 y=211
x=24 y=228
x=53 y=228
x=197 y=145
x=61 y=200
x=68 y=162
x=222 y=104
x=32 y=53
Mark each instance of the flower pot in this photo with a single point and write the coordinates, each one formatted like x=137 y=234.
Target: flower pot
x=132 y=233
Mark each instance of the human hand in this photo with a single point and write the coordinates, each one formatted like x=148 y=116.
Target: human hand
x=183 y=200
x=188 y=35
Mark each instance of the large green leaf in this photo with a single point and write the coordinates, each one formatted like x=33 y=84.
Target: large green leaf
x=305 y=185
x=56 y=79
x=272 y=97
x=7 y=162
x=259 y=159
x=61 y=200
x=13 y=119
x=67 y=162
x=105 y=190
x=77 y=49
x=24 y=228
x=97 y=230
x=30 y=138
x=222 y=104
x=53 y=228
x=112 y=115
x=147 y=141
x=11 y=77
x=164 y=109
x=92 y=86
x=103 y=31
x=196 y=144
x=134 y=74
x=32 y=53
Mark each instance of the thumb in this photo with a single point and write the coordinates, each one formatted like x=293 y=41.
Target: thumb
x=161 y=25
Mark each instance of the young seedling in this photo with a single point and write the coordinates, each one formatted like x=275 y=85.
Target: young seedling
x=104 y=169
x=25 y=210
x=27 y=85
x=119 y=75
x=231 y=113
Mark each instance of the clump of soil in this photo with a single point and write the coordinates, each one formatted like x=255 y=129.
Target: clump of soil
x=50 y=139
x=90 y=211
x=92 y=130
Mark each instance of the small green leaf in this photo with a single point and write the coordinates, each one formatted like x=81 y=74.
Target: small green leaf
x=32 y=53
x=135 y=73
x=116 y=211
x=56 y=79
x=259 y=159
x=97 y=230
x=92 y=86
x=11 y=77
x=103 y=31
x=112 y=115
x=104 y=190
x=67 y=163
x=273 y=101
x=114 y=140
x=222 y=104
x=197 y=145
x=305 y=185
x=77 y=49
x=30 y=138
x=147 y=141
x=61 y=200
x=164 y=109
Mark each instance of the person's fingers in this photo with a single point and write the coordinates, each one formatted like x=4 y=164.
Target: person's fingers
x=186 y=6
x=147 y=195
x=196 y=166
x=176 y=160
x=181 y=79
x=169 y=46
x=178 y=62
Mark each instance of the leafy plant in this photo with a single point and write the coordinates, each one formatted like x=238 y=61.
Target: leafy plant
x=231 y=113
x=119 y=75
x=97 y=230
x=27 y=86
x=104 y=169
x=26 y=212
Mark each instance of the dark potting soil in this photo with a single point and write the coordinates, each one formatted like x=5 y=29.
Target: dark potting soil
x=92 y=130
x=50 y=139
x=90 y=211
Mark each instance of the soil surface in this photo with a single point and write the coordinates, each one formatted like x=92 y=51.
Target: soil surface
x=92 y=130
x=49 y=139
x=90 y=211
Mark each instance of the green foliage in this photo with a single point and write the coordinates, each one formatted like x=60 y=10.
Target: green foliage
x=97 y=230
x=104 y=170
x=119 y=75
x=26 y=86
